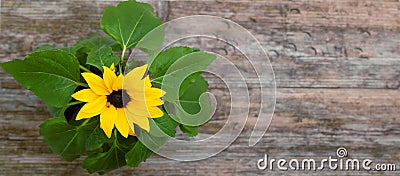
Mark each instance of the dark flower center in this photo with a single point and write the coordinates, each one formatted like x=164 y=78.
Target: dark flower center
x=118 y=98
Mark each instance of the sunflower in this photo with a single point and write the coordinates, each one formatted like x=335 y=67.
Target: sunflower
x=121 y=101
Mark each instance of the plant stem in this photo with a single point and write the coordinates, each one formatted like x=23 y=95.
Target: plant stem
x=157 y=78
x=122 y=59
x=85 y=122
x=74 y=103
x=116 y=137
x=84 y=68
x=81 y=84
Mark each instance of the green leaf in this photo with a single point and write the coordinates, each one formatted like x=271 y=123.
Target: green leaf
x=149 y=142
x=162 y=126
x=114 y=155
x=191 y=131
x=129 y=22
x=190 y=103
x=191 y=92
x=64 y=139
x=96 y=139
x=69 y=50
x=44 y=47
x=133 y=63
x=56 y=112
x=52 y=75
x=152 y=41
x=95 y=42
x=92 y=44
x=102 y=56
x=161 y=63
x=161 y=129
x=137 y=154
x=180 y=76
x=105 y=162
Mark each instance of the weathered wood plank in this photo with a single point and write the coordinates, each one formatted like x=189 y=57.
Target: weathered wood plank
x=318 y=44
x=307 y=123
x=350 y=56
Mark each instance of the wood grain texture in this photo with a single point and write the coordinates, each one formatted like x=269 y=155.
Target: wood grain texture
x=336 y=63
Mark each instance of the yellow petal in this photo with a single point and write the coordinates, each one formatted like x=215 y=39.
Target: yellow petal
x=85 y=95
x=149 y=94
x=122 y=123
x=107 y=120
x=140 y=109
x=150 y=100
x=96 y=84
x=131 y=131
x=142 y=122
x=154 y=102
x=118 y=82
x=154 y=93
x=112 y=67
x=96 y=106
x=133 y=86
x=92 y=108
x=134 y=81
x=109 y=78
x=82 y=115
x=137 y=73
x=155 y=112
x=147 y=81
x=137 y=108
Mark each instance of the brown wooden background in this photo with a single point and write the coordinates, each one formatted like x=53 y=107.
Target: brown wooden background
x=337 y=67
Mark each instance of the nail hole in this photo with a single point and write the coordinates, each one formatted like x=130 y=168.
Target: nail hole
x=291 y=46
x=295 y=11
x=365 y=30
x=275 y=53
x=308 y=34
x=359 y=49
x=314 y=50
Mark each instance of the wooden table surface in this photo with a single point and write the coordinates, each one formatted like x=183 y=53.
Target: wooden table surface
x=336 y=64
